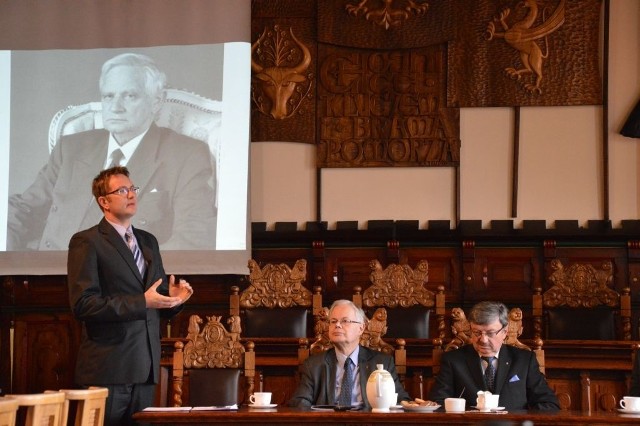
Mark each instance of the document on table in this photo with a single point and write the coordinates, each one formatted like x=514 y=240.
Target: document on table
x=167 y=409
x=216 y=408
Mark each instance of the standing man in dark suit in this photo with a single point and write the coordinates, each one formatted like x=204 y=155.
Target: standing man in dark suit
x=516 y=374
x=323 y=374
x=176 y=200
x=118 y=290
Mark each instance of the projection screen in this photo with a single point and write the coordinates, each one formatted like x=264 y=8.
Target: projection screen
x=43 y=80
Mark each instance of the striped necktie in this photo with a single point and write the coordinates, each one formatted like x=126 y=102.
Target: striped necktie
x=137 y=254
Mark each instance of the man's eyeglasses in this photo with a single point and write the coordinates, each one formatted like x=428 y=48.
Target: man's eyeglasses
x=343 y=322
x=124 y=191
x=490 y=334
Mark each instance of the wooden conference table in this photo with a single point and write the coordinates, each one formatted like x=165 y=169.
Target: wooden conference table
x=286 y=415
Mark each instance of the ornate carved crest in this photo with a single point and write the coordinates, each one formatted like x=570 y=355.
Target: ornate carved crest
x=389 y=13
x=214 y=346
x=279 y=62
x=398 y=285
x=523 y=35
x=581 y=286
x=276 y=285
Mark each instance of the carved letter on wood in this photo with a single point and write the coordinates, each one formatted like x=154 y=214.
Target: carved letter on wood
x=385 y=108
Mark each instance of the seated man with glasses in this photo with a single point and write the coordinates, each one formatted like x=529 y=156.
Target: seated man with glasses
x=339 y=376
x=489 y=365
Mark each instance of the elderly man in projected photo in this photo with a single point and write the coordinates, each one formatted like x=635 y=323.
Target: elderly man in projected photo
x=176 y=201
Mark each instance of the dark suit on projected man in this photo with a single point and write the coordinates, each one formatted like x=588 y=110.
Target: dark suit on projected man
x=118 y=289
x=177 y=200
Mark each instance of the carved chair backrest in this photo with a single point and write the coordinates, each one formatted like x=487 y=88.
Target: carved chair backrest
x=581 y=304
x=276 y=303
x=212 y=360
x=402 y=291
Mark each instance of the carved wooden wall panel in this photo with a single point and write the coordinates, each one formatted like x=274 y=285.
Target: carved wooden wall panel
x=396 y=24
x=385 y=108
x=557 y=41
x=283 y=61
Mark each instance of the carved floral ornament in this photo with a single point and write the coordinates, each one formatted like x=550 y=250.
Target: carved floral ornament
x=280 y=62
x=387 y=13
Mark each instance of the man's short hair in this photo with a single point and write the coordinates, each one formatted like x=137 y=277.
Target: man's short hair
x=486 y=312
x=360 y=316
x=100 y=185
x=155 y=81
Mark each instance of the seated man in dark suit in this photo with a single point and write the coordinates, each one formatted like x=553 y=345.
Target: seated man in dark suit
x=323 y=374
x=488 y=364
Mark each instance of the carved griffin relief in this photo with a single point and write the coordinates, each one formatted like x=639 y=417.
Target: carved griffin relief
x=398 y=285
x=276 y=285
x=581 y=286
x=214 y=346
x=387 y=13
x=281 y=83
x=523 y=36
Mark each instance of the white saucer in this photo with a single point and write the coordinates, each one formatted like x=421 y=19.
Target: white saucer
x=396 y=407
x=262 y=406
x=622 y=410
x=421 y=408
x=488 y=410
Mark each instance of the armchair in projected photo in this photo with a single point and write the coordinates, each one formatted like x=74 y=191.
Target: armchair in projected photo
x=212 y=367
x=184 y=112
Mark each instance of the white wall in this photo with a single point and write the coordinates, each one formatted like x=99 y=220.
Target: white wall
x=560 y=173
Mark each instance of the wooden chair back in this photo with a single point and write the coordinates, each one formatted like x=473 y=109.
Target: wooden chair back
x=8 y=410
x=48 y=408
x=212 y=348
x=403 y=292
x=276 y=303
x=581 y=304
x=89 y=405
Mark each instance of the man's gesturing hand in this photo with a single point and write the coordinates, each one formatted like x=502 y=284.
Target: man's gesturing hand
x=178 y=293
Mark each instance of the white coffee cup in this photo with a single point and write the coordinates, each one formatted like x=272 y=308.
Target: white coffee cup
x=455 y=405
x=488 y=402
x=260 y=398
x=631 y=403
